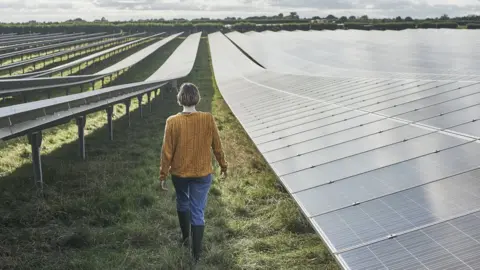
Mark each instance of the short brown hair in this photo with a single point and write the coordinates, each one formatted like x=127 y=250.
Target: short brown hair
x=188 y=95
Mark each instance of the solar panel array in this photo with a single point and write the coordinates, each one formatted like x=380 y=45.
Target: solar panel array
x=180 y=63
x=31 y=118
x=385 y=165
x=11 y=86
x=410 y=54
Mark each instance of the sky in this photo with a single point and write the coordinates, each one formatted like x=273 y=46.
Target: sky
x=61 y=10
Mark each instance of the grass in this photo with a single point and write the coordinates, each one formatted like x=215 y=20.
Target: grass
x=108 y=212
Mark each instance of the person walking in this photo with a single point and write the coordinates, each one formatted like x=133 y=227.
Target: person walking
x=189 y=138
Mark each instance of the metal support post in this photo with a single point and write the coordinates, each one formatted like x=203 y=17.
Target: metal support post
x=150 y=101
x=175 y=85
x=140 y=107
x=25 y=100
x=110 y=122
x=35 y=140
x=81 y=120
x=67 y=91
x=127 y=105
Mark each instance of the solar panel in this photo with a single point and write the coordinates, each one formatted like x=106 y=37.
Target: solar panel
x=383 y=164
x=181 y=62
x=318 y=53
x=97 y=54
x=138 y=56
x=78 y=40
x=20 y=119
x=60 y=53
x=448 y=245
x=28 y=39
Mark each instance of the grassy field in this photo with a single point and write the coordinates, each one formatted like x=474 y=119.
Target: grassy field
x=108 y=212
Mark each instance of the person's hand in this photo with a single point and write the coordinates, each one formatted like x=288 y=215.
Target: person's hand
x=163 y=184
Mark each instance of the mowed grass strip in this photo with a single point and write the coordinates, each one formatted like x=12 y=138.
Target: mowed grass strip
x=108 y=212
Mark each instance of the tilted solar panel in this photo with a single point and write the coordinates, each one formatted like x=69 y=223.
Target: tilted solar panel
x=387 y=170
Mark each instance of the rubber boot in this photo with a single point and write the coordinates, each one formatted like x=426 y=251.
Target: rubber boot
x=184 y=221
x=197 y=237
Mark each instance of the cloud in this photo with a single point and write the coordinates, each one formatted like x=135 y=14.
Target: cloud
x=60 y=10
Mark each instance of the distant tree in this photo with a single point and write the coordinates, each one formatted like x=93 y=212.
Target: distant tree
x=351 y=18
x=294 y=15
x=280 y=15
x=444 y=17
x=103 y=19
x=364 y=18
x=343 y=19
x=331 y=17
x=316 y=18
x=398 y=19
x=408 y=19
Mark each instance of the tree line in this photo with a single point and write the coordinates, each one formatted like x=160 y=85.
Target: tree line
x=278 y=22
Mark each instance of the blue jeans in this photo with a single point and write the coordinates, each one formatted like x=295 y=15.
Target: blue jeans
x=192 y=196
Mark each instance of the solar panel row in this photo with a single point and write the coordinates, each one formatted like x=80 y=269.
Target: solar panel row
x=42 y=49
x=93 y=46
x=28 y=39
x=77 y=62
x=33 y=44
x=365 y=54
x=387 y=170
x=23 y=118
x=181 y=62
x=138 y=56
x=9 y=87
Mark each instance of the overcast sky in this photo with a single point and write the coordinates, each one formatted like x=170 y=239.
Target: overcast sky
x=60 y=10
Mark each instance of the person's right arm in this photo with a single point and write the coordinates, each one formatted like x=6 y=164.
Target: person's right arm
x=167 y=151
x=217 y=148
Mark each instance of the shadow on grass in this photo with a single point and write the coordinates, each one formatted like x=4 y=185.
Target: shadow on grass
x=106 y=212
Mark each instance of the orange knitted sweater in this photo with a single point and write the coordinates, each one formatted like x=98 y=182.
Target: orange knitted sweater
x=187 y=145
